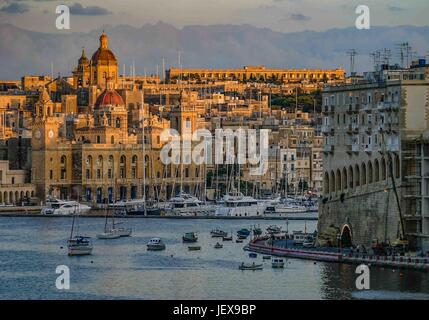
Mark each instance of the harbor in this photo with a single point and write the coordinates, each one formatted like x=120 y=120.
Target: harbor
x=122 y=268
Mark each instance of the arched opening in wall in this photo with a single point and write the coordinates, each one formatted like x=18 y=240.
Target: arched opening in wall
x=383 y=169
x=332 y=181
x=338 y=182
x=346 y=236
x=363 y=174
x=357 y=176
x=344 y=184
x=397 y=167
x=350 y=177
x=370 y=172
x=326 y=183
x=376 y=171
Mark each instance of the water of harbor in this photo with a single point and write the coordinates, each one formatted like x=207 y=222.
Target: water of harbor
x=31 y=248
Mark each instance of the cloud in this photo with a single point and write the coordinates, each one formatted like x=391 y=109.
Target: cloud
x=395 y=8
x=299 y=17
x=78 y=9
x=15 y=8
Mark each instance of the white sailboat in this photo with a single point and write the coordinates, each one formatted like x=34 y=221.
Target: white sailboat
x=78 y=245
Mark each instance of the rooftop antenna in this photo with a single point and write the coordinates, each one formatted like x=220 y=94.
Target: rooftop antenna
x=402 y=48
x=52 y=70
x=352 y=53
x=386 y=55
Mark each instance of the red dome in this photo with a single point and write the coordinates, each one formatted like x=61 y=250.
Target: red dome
x=109 y=97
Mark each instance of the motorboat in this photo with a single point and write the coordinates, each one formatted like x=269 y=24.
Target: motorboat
x=218 y=245
x=239 y=240
x=217 y=233
x=61 y=207
x=274 y=229
x=277 y=263
x=238 y=205
x=185 y=204
x=190 y=237
x=298 y=237
x=308 y=241
x=266 y=257
x=250 y=266
x=155 y=244
x=253 y=255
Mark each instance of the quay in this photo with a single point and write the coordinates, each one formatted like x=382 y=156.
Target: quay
x=286 y=248
x=100 y=213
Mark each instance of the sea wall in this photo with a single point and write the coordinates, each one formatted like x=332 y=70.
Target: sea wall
x=371 y=212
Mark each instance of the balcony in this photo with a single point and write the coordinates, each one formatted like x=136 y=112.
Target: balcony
x=352 y=108
x=368 y=130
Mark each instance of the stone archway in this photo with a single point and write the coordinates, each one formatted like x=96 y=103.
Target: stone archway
x=346 y=236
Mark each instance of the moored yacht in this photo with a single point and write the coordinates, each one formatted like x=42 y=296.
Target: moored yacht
x=238 y=205
x=61 y=207
x=185 y=204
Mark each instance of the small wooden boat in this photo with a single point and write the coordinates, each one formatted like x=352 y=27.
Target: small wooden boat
x=190 y=237
x=217 y=233
x=226 y=238
x=249 y=266
x=194 y=248
x=243 y=233
x=238 y=240
x=218 y=246
x=253 y=255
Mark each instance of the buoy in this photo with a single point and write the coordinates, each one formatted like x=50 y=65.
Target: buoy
x=92 y=261
x=61 y=247
x=401 y=274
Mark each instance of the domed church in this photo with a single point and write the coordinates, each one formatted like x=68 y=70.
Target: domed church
x=95 y=72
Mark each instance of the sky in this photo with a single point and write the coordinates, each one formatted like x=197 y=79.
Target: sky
x=279 y=15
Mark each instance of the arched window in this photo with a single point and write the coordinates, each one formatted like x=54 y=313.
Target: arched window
x=350 y=177
x=118 y=122
x=326 y=183
x=332 y=181
x=112 y=139
x=383 y=169
x=363 y=174
x=344 y=183
x=89 y=167
x=397 y=167
x=63 y=167
x=122 y=167
x=376 y=171
x=357 y=176
x=98 y=139
x=338 y=181
x=370 y=172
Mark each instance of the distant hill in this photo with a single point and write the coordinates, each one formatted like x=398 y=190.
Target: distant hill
x=217 y=46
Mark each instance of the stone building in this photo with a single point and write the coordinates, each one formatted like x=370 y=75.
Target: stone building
x=372 y=130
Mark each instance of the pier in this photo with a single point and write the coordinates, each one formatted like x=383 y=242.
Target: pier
x=285 y=248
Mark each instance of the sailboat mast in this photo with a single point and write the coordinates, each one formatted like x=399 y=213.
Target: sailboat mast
x=144 y=152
